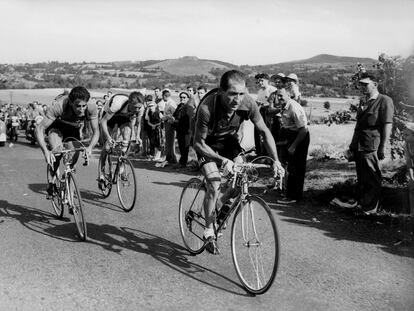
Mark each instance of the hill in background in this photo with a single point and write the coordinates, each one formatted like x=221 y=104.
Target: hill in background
x=189 y=66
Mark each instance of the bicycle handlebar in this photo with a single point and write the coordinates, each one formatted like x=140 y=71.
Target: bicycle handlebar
x=67 y=151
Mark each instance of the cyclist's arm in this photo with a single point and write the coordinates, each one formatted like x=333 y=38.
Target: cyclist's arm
x=95 y=131
x=104 y=125
x=132 y=123
x=40 y=133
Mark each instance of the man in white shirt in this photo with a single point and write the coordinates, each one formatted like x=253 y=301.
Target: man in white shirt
x=296 y=133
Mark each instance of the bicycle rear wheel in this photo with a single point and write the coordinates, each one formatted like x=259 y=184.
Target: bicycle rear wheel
x=107 y=186
x=126 y=184
x=255 y=245
x=56 y=198
x=75 y=203
x=191 y=215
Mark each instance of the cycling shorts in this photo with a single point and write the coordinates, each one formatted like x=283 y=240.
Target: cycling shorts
x=227 y=147
x=69 y=132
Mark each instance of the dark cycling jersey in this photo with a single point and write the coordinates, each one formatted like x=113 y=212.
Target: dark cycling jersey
x=220 y=130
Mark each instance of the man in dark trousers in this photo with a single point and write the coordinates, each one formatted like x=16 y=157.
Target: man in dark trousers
x=296 y=134
x=372 y=132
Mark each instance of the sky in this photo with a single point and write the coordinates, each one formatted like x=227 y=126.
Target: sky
x=241 y=32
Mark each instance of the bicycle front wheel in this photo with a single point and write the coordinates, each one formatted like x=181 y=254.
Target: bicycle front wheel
x=56 y=198
x=191 y=215
x=255 y=245
x=126 y=185
x=75 y=204
x=106 y=187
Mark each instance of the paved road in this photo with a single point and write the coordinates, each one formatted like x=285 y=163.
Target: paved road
x=135 y=261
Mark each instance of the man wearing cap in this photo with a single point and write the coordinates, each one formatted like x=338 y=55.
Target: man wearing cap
x=293 y=87
x=262 y=100
x=372 y=132
x=295 y=131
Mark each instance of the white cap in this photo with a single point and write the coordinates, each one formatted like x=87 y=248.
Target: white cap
x=292 y=76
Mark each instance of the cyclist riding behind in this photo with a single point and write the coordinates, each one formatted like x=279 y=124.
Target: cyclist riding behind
x=217 y=122
x=124 y=112
x=63 y=122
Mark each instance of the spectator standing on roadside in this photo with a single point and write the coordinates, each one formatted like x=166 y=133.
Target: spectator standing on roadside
x=292 y=85
x=182 y=116
x=201 y=91
x=158 y=98
x=168 y=120
x=152 y=123
x=265 y=89
x=295 y=130
x=275 y=108
x=368 y=146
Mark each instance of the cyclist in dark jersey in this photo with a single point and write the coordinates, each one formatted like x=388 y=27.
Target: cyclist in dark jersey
x=63 y=122
x=123 y=112
x=218 y=119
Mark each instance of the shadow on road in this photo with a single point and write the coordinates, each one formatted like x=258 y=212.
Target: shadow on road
x=150 y=165
x=393 y=234
x=39 y=221
x=116 y=239
x=169 y=253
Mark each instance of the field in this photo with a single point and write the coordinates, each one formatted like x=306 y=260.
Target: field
x=44 y=96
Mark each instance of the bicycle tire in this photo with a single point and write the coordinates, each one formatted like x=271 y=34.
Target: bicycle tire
x=75 y=202
x=106 y=191
x=56 y=199
x=126 y=181
x=191 y=215
x=255 y=245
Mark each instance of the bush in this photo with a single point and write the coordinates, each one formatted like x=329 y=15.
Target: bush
x=339 y=117
x=327 y=105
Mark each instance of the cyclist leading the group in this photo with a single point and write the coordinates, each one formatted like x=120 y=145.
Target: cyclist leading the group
x=122 y=112
x=63 y=122
x=217 y=122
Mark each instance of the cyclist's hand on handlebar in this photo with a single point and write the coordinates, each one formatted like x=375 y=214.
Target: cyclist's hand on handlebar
x=278 y=169
x=50 y=158
x=88 y=151
x=227 y=166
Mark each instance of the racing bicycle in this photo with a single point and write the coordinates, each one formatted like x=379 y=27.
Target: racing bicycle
x=254 y=235
x=65 y=189
x=119 y=171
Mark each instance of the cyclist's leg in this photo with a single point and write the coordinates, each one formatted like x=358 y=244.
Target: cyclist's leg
x=104 y=154
x=126 y=133
x=213 y=179
x=230 y=192
x=55 y=141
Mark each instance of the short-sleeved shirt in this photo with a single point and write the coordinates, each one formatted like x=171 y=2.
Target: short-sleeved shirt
x=215 y=126
x=293 y=116
x=370 y=122
x=62 y=110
